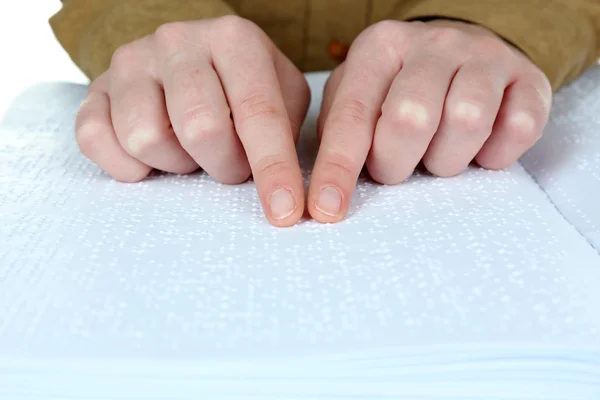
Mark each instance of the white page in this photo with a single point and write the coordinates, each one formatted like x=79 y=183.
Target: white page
x=566 y=161
x=184 y=268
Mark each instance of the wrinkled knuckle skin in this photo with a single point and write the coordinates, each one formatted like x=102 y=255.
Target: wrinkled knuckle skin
x=258 y=105
x=467 y=117
x=351 y=112
x=409 y=118
x=272 y=166
x=339 y=165
x=198 y=127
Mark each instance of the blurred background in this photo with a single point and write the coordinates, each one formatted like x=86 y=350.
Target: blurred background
x=29 y=51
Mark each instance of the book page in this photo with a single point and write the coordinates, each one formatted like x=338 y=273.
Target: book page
x=182 y=268
x=566 y=161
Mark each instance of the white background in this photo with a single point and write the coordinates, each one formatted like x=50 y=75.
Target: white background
x=29 y=53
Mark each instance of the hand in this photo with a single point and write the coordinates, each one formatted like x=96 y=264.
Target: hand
x=166 y=101
x=444 y=93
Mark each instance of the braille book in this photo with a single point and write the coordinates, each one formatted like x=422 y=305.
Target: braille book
x=482 y=286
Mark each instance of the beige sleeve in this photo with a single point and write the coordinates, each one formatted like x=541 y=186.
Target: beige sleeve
x=562 y=37
x=91 y=31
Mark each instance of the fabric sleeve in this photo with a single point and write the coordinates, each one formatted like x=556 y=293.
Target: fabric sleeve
x=91 y=31
x=562 y=37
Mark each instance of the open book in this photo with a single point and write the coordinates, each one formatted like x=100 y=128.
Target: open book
x=482 y=286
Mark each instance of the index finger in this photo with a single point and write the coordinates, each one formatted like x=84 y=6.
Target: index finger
x=350 y=124
x=246 y=67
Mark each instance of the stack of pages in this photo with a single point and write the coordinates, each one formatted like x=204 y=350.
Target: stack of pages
x=483 y=286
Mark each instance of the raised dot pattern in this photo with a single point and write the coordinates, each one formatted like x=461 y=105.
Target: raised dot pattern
x=182 y=267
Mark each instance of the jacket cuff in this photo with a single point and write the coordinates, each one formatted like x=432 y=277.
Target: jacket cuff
x=91 y=31
x=557 y=38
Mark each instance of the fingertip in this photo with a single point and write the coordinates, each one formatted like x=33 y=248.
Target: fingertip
x=283 y=207
x=385 y=174
x=496 y=158
x=133 y=176
x=327 y=203
x=491 y=164
x=442 y=169
x=236 y=177
x=332 y=184
x=282 y=203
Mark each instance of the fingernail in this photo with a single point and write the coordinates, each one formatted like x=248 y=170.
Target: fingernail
x=282 y=203
x=329 y=201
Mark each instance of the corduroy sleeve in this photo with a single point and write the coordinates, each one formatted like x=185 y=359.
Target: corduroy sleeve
x=562 y=37
x=91 y=31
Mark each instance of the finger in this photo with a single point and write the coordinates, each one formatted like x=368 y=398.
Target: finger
x=471 y=107
x=371 y=65
x=140 y=118
x=251 y=84
x=96 y=137
x=520 y=122
x=199 y=112
x=295 y=91
x=410 y=115
x=329 y=91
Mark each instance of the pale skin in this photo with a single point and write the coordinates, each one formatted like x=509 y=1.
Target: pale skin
x=217 y=94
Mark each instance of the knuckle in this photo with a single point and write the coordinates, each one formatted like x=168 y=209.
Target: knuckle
x=143 y=142
x=340 y=163
x=125 y=57
x=383 y=30
x=171 y=34
x=232 y=27
x=198 y=125
x=351 y=111
x=481 y=80
x=542 y=90
x=170 y=40
x=258 y=105
x=444 y=37
x=98 y=84
x=88 y=136
x=409 y=116
x=523 y=129
x=272 y=166
x=82 y=112
x=491 y=46
x=466 y=116
x=381 y=37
